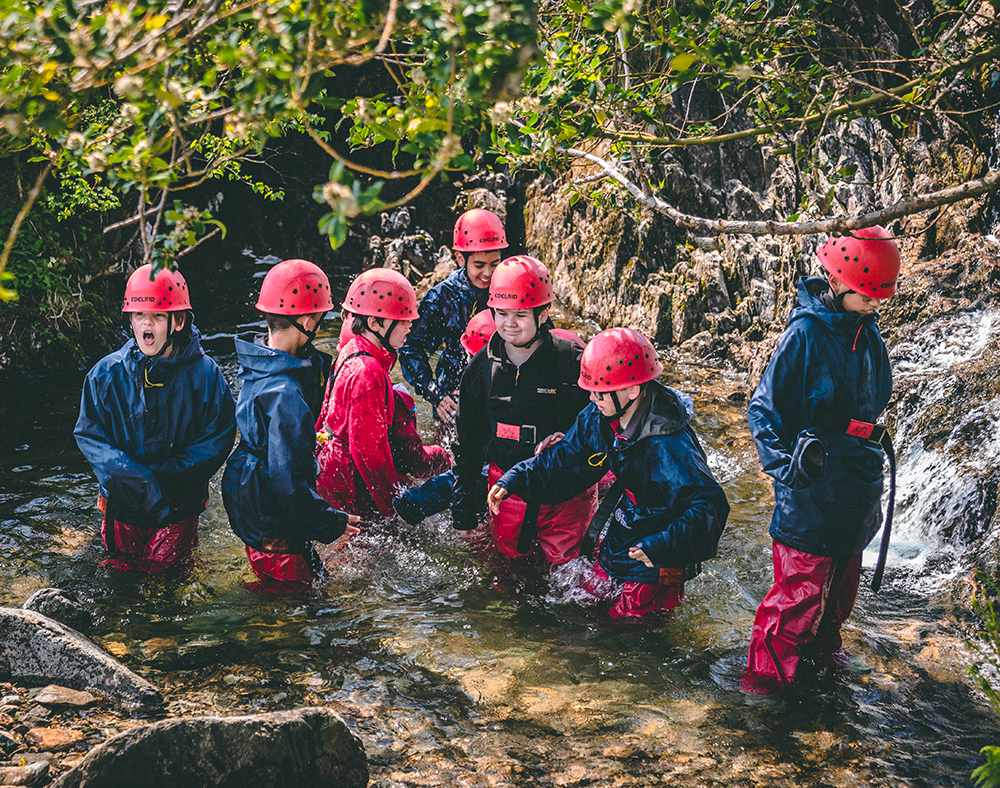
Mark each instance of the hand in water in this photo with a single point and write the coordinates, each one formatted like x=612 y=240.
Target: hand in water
x=351 y=529
x=446 y=409
x=636 y=554
x=496 y=494
x=552 y=440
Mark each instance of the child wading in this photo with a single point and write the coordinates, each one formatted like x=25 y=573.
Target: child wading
x=831 y=367
x=666 y=510
x=156 y=422
x=517 y=396
x=446 y=309
x=269 y=486
x=364 y=437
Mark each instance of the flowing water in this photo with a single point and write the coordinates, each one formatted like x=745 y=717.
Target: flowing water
x=453 y=672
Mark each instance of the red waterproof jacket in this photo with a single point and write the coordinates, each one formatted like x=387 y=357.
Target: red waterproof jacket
x=357 y=467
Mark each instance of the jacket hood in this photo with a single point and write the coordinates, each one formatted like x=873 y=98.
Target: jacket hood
x=668 y=411
x=258 y=361
x=812 y=307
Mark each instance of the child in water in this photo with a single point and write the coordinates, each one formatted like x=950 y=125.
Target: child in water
x=157 y=420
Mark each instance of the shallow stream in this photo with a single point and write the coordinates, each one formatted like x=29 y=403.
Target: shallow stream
x=454 y=673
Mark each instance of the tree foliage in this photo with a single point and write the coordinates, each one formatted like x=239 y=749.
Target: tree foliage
x=126 y=105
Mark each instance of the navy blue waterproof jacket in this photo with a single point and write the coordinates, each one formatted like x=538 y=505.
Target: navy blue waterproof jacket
x=269 y=486
x=672 y=508
x=155 y=431
x=829 y=367
x=444 y=313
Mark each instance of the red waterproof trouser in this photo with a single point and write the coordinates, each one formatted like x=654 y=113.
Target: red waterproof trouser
x=291 y=569
x=561 y=526
x=800 y=616
x=150 y=549
x=636 y=599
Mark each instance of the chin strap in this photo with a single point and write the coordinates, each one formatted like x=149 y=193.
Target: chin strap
x=309 y=335
x=534 y=337
x=619 y=408
x=384 y=338
x=170 y=336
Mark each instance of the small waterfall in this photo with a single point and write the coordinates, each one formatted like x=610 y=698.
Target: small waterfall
x=947 y=438
x=993 y=220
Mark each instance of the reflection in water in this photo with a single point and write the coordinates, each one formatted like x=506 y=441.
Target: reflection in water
x=453 y=673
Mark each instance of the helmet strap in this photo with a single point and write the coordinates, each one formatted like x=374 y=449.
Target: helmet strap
x=536 y=312
x=169 y=341
x=309 y=335
x=384 y=337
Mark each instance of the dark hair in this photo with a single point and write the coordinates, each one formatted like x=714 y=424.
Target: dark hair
x=359 y=323
x=183 y=336
x=277 y=322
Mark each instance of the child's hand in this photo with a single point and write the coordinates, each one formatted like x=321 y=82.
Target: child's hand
x=352 y=529
x=552 y=440
x=446 y=409
x=496 y=494
x=636 y=554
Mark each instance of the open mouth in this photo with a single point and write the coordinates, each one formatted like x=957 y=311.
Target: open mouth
x=148 y=338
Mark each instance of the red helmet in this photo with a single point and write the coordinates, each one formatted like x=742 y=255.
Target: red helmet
x=478 y=332
x=382 y=292
x=520 y=282
x=565 y=333
x=479 y=230
x=166 y=292
x=616 y=359
x=867 y=261
x=295 y=287
x=346 y=333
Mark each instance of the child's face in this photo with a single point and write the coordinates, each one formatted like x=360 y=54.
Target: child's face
x=863 y=305
x=516 y=326
x=398 y=336
x=479 y=267
x=606 y=403
x=150 y=331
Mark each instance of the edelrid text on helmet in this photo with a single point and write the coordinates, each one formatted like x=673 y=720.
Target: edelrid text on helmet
x=165 y=292
x=867 y=261
x=520 y=282
x=478 y=230
x=616 y=359
x=295 y=287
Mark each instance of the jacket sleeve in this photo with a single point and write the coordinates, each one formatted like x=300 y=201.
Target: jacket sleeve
x=472 y=425
x=424 y=338
x=292 y=469
x=128 y=481
x=688 y=488
x=780 y=410
x=564 y=470
x=202 y=458
x=409 y=454
x=369 y=419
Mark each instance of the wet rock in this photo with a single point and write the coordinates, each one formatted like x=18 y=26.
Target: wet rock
x=6 y=721
x=61 y=606
x=54 y=695
x=36 y=648
x=8 y=743
x=29 y=774
x=310 y=746
x=53 y=738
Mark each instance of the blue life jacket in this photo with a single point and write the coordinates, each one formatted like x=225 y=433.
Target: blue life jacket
x=444 y=313
x=673 y=508
x=155 y=430
x=269 y=485
x=829 y=368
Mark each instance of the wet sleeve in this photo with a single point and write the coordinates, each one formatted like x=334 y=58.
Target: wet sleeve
x=779 y=411
x=688 y=528
x=131 y=483
x=424 y=338
x=562 y=471
x=205 y=455
x=369 y=419
x=472 y=425
x=292 y=469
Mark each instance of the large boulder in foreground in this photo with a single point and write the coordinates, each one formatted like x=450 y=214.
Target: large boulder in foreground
x=305 y=747
x=35 y=648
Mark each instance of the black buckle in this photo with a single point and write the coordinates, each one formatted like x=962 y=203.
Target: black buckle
x=526 y=430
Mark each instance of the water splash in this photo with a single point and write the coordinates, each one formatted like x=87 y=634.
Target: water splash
x=947 y=444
